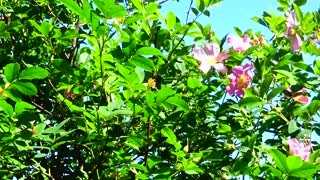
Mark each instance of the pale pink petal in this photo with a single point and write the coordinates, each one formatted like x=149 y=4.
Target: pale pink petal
x=199 y=53
x=223 y=56
x=292 y=20
x=295 y=43
x=220 y=67
x=211 y=49
x=204 y=67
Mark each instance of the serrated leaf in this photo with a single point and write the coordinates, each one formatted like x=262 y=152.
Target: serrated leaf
x=11 y=71
x=33 y=73
x=26 y=88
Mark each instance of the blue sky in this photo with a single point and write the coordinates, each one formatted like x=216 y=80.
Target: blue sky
x=234 y=13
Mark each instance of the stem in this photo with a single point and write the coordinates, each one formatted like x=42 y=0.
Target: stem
x=148 y=141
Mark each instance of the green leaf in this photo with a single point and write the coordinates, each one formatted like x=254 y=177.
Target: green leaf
x=171 y=137
x=33 y=73
x=7 y=108
x=223 y=128
x=21 y=106
x=163 y=93
x=26 y=88
x=138 y=5
x=193 y=83
x=200 y=5
x=299 y=168
x=109 y=9
x=265 y=85
x=142 y=62
x=73 y=6
x=134 y=142
x=171 y=20
x=274 y=92
x=292 y=127
x=11 y=71
x=251 y=102
x=178 y=102
x=316 y=65
x=149 y=51
x=300 y=2
x=314 y=107
x=279 y=159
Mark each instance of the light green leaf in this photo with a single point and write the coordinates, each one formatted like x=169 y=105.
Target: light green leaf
x=142 y=62
x=193 y=83
x=171 y=137
x=171 y=20
x=73 y=6
x=21 y=106
x=33 y=73
x=299 y=168
x=292 y=127
x=137 y=4
x=26 y=88
x=7 y=108
x=11 y=71
x=279 y=159
x=317 y=67
x=149 y=51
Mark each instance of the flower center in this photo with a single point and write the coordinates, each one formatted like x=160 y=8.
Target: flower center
x=212 y=61
x=292 y=31
x=241 y=81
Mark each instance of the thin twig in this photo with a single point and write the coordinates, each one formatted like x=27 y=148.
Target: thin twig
x=40 y=107
x=189 y=11
x=279 y=112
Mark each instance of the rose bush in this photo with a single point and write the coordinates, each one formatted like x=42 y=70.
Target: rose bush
x=113 y=90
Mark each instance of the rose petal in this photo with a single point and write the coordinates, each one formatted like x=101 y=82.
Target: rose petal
x=220 y=67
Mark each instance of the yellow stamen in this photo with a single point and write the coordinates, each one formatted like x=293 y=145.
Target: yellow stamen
x=292 y=31
x=241 y=81
x=212 y=61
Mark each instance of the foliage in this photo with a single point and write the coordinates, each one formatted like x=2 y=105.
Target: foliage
x=110 y=89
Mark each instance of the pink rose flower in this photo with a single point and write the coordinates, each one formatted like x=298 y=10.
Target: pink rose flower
x=209 y=56
x=299 y=149
x=291 y=34
x=296 y=96
x=239 y=79
x=239 y=44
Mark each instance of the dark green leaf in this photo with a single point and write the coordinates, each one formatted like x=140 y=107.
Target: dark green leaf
x=178 y=102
